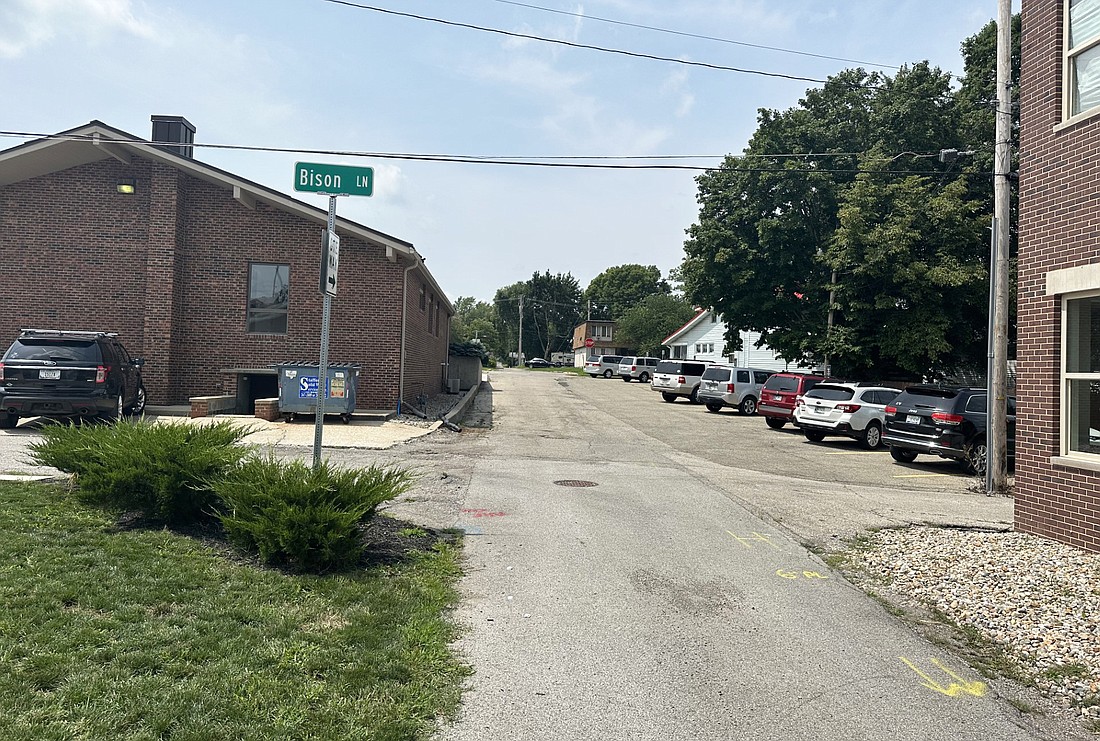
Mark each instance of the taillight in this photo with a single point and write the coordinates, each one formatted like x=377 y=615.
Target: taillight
x=729 y=388
x=633 y=367
x=847 y=408
x=947 y=419
x=891 y=410
x=681 y=380
x=1 y=371
x=101 y=373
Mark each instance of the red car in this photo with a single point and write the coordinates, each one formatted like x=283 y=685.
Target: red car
x=780 y=394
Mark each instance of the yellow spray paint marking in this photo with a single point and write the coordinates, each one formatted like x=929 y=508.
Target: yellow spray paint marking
x=786 y=574
x=919 y=475
x=756 y=537
x=977 y=689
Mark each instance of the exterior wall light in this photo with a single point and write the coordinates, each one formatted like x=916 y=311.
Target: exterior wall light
x=127 y=186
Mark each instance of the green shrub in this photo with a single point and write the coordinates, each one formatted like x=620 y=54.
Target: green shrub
x=303 y=518
x=162 y=471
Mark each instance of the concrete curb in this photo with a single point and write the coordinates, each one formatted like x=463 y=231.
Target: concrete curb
x=463 y=403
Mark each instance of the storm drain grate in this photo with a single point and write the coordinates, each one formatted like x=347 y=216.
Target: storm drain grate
x=575 y=483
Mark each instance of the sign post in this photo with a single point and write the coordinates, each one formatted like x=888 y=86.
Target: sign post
x=333 y=181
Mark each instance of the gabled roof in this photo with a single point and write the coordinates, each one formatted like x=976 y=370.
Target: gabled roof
x=682 y=330
x=97 y=141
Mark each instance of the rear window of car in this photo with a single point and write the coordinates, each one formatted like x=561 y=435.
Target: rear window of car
x=760 y=377
x=670 y=366
x=85 y=351
x=716 y=374
x=611 y=359
x=929 y=392
x=830 y=393
x=782 y=383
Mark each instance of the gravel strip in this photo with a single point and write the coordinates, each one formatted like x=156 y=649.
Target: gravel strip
x=1038 y=598
x=433 y=406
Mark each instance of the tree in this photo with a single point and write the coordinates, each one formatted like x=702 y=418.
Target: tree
x=474 y=320
x=551 y=309
x=617 y=289
x=654 y=318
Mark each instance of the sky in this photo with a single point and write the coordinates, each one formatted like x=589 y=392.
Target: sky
x=317 y=74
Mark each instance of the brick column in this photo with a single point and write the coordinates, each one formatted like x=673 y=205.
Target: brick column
x=162 y=284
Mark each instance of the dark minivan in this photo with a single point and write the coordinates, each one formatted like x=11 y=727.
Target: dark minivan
x=948 y=421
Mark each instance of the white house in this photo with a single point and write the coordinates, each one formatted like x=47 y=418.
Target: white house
x=702 y=338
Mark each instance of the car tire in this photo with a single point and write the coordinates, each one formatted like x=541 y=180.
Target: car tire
x=626 y=378
x=976 y=455
x=872 y=437
x=713 y=407
x=668 y=397
x=644 y=378
x=694 y=398
x=115 y=414
x=903 y=456
x=747 y=406
x=138 y=407
x=775 y=423
x=814 y=436
x=8 y=420
x=607 y=373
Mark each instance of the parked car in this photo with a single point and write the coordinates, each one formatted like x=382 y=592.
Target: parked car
x=730 y=386
x=64 y=374
x=676 y=378
x=780 y=393
x=848 y=409
x=539 y=363
x=603 y=365
x=948 y=421
x=637 y=367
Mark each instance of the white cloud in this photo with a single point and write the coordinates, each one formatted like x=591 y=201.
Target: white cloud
x=26 y=24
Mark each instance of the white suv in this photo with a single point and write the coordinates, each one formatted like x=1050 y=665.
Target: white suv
x=602 y=365
x=676 y=378
x=729 y=386
x=634 y=367
x=848 y=409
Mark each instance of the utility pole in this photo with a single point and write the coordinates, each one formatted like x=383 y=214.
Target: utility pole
x=519 y=350
x=996 y=449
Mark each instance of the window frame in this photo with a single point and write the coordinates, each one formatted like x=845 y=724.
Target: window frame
x=1065 y=383
x=248 y=308
x=1069 y=76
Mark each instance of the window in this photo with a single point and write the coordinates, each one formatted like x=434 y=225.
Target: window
x=431 y=314
x=1081 y=376
x=423 y=296
x=437 y=320
x=743 y=377
x=268 y=298
x=1082 y=56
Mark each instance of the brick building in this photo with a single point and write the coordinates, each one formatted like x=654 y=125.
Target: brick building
x=210 y=277
x=1058 y=369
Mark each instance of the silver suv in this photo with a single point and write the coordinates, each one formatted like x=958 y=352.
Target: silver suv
x=603 y=365
x=636 y=367
x=676 y=378
x=730 y=386
x=847 y=409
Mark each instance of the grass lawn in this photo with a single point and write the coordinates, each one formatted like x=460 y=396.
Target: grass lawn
x=115 y=633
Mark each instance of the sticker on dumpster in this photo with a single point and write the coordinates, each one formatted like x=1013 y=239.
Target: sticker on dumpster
x=307 y=387
x=291 y=372
x=336 y=387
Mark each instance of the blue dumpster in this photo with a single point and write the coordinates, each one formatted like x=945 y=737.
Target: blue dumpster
x=299 y=383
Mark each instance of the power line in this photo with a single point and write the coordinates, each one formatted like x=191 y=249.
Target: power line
x=695 y=35
x=575 y=45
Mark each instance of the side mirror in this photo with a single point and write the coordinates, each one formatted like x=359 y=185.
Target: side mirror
x=138 y=362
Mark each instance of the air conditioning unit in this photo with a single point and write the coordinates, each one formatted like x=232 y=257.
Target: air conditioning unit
x=452 y=385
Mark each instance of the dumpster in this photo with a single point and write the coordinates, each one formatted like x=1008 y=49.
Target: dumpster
x=298 y=385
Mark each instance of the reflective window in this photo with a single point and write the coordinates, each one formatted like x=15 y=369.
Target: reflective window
x=268 y=298
x=1081 y=380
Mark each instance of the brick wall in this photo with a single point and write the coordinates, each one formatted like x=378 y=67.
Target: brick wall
x=1059 y=227
x=168 y=269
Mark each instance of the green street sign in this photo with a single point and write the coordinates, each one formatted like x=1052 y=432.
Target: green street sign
x=333 y=180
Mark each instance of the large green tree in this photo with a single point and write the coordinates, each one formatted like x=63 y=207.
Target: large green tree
x=611 y=293
x=552 y=307
x=652 y=319
x=866 y=250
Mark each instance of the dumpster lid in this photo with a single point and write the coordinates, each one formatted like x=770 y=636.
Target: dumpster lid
x=313 y=364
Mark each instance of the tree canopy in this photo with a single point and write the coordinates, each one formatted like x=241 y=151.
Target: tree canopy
x=652 y=319
x=552 y=307
x=611 y=293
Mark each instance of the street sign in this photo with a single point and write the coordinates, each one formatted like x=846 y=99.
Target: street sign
x=589 y=342
x=330 y=261
x=333 y=180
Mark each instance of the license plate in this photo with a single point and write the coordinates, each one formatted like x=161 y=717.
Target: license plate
x=912 y=419
x=820 y=410
x=777 y=398
x=49 y=374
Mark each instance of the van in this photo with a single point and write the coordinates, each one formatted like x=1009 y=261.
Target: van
x=641 y=368
x=603 y=365
x=676 y=378
x=730 y=386
x=780 y=394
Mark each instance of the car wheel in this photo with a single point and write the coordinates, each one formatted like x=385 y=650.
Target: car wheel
x=139 y=403
x=872 y=437
x=775 y=423
x=668 y=397
x=607 y=373
x=8 y=420
x=814 y=436
x=903 y=456
x=626 y=378
x=747 y=406
x=644 y=378
x=694 y=398
x=714 y=407
x=115 y=414
x=975 y=458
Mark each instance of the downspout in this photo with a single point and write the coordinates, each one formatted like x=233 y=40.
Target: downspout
x=404 y=318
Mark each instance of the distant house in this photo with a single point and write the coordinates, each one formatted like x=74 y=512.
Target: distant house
x=210 y=277
x=1057 y=491
x=703 y=338
x=601 y=332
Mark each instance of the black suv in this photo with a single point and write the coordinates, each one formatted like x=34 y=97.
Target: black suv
x=948 y=421
x=56 y=373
